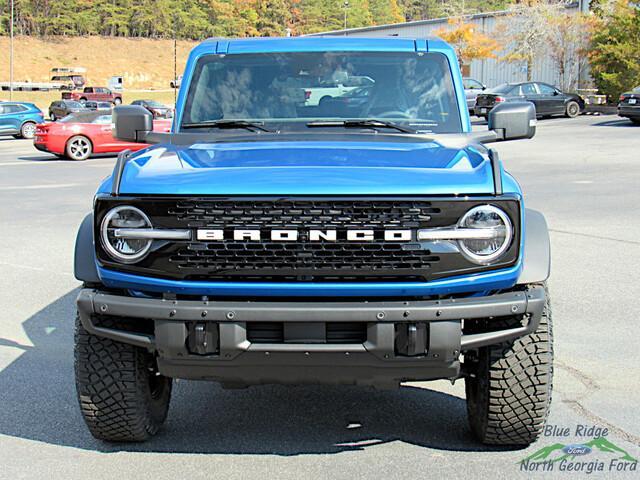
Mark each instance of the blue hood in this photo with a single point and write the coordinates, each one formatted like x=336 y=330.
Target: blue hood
x=308 y=168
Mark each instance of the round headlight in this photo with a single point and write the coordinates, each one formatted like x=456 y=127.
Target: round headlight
x=494 y=233
x=122 y=249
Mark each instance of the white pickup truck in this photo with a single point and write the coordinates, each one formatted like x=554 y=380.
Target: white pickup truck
x=325 y=90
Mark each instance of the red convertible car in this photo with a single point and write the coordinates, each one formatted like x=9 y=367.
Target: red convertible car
x=80 y=135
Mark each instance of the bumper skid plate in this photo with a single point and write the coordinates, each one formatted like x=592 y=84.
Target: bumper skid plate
x=209 y=339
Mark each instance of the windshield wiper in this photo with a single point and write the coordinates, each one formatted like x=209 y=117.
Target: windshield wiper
x=253 y=126
x=365 y=122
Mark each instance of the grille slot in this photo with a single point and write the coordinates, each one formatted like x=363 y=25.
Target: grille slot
x=346 y=332
x=265 y=332
x=334 y=332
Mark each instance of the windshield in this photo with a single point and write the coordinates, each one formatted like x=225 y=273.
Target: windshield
x=154 y=104
x=289 y=90
x=73 y=104
x=80 y=117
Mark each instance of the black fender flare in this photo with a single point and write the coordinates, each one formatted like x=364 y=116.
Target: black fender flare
x=84 y=259
x=536 y=262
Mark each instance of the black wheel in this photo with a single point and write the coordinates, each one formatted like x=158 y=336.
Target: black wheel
x=117 y=101
x=79 y=148
x=572 y=110
x=509 y=385
x=83 y=99
x=122 y=397
x=28 y=130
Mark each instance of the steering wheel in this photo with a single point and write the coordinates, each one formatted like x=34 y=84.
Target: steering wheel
x=394 y=114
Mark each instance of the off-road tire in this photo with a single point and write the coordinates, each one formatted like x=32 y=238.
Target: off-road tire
x=572 y=110
x=509 y=386
x=121 y=396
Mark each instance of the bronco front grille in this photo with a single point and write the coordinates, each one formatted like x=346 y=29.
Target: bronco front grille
x=303 y=260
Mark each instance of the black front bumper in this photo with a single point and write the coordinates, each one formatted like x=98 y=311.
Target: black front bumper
x=236 y=360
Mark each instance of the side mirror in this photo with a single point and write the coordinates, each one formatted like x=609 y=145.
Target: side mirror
x=132 y=123
x=556 y=92
x=484 y=87
x=513 y=120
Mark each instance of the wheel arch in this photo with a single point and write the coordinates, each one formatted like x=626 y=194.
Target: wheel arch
x=84 y=258
x=576 y=99
x=536 y=263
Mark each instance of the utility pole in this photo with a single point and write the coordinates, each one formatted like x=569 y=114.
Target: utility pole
x=175 y=59
x=11 y=54
x=346 y=6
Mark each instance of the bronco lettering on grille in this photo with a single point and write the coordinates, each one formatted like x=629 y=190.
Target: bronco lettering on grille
x=312 y=235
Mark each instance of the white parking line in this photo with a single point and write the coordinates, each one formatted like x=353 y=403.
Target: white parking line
x=35 y=269
x=26 y=162
x=38 y=187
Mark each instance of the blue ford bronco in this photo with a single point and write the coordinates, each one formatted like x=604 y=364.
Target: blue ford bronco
x=368 y=237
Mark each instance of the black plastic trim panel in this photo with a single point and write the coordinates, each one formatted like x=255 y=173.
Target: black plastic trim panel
x=340 y=261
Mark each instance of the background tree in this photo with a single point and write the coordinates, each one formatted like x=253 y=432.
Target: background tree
x=201 y=18
x=568 y=38
x=615 y=55
x=524 y=31
x=468 y=43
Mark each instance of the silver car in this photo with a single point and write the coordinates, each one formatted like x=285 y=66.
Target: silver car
x=472 y=88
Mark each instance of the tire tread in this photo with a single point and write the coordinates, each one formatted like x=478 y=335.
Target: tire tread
x=112 y=387
x=508 y=400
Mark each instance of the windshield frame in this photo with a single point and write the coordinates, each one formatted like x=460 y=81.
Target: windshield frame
x=456 y=125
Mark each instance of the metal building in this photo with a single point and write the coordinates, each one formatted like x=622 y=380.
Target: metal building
x=491 y=72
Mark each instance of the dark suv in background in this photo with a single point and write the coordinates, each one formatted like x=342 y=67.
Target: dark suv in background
x=61 y=108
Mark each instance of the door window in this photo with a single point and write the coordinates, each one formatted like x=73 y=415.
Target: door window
x=528 y=89
x=546 y=89
x=13 y=108
x=471 y=84
x=103 y=120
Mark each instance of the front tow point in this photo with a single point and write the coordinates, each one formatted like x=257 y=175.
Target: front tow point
x=411 y=339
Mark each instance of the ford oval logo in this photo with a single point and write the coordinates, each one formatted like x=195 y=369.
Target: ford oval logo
x=577 y=449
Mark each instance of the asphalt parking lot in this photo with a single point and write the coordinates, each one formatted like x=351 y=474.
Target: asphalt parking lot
x=583 y=174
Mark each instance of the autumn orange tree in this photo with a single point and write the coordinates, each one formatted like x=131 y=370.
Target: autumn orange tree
x=468 y=42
